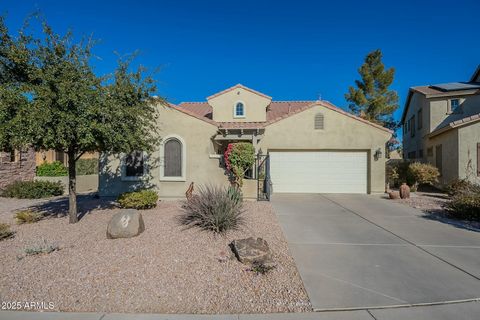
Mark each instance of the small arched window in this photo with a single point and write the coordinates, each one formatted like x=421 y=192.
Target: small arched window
x=173 y=158
x=239 y=110
x=319 y=121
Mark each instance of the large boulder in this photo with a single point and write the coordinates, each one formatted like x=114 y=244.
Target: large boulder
x=127 y=223
x=252 y=251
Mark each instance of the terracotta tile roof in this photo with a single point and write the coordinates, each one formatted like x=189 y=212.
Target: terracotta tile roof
x=281 y=109
x=276 y=111
x=456 y=124
x=241 y=125
x=193 y=112
x=236 y=87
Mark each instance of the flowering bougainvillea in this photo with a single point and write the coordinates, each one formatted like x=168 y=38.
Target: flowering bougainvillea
x=239 y=157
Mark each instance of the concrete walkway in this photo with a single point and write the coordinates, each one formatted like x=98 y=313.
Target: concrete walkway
x=364 y=252
x=458 y=311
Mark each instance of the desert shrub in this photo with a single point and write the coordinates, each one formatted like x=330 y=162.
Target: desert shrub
x=412 y=173
x=43 y=248
x=399 y=173
x=465 y=206
x=239 y=157
x=33 y=189
x=5 y=231
x=87 y=166
x=215 y=208
x=423 y=173
x=28 y=216
x=462 y=186
x=142 y=199
x=53 y=169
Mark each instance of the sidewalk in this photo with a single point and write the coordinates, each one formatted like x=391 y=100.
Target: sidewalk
x=457 y=311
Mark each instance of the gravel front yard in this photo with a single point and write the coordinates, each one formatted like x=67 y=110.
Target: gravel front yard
x=166 y=269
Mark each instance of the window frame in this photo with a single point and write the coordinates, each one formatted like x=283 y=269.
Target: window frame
x=457 y=108
x=235 y=110
x=420 y=119
x=124 y=167
x=183 y=177
x=412 y=126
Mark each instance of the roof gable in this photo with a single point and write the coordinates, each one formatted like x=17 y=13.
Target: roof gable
x=237 y=87
x=276 y=111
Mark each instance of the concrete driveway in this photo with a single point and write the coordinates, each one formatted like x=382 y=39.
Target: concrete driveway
x=361 y=251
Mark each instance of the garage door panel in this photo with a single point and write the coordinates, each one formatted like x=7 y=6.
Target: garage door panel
x=319 y=172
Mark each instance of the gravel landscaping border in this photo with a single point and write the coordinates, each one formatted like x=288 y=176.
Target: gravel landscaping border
x=166 y=269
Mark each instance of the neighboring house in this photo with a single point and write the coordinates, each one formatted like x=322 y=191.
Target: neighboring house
x=52 y=155
x=441 y=125
x=16 y=165
x=314 y=147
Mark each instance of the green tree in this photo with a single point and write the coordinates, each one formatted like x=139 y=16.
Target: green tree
x=50 y=98
x=372 y=99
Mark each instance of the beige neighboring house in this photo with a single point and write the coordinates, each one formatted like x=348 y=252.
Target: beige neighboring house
x=313 y=147
x=52 y=155
x=441 y=125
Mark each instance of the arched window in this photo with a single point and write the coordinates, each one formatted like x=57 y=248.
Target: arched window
x=319 y=121
x=173 y=158
x=239 y=110
x=173 y=154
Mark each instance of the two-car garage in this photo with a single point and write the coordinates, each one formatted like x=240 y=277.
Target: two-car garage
x=319 y=171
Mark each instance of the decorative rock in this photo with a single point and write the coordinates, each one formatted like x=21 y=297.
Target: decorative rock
x=394 y=195
x=125 y=224
x=250 y=250
x=404 y=191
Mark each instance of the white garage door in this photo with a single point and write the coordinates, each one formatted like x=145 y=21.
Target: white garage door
x=319 y=172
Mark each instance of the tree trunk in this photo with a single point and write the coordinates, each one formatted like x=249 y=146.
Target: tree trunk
x=72 y=188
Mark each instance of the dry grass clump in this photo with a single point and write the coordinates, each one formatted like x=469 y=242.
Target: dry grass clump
x=214 y=208
x=28 y=216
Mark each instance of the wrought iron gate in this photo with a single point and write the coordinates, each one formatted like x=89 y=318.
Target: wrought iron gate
x=264 y=185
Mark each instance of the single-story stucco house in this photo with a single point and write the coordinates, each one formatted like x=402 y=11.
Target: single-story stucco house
x=312 y=146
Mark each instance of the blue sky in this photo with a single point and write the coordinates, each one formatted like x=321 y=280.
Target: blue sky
x=295 y=50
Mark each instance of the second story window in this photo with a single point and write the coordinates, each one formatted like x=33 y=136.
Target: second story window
x=420 y=119
x=239 y=111
x=412 y=126
x=455 y=105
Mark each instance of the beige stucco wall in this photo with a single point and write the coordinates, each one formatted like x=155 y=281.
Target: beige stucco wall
x=296 y=132
x=254 y=104
x=416 y=143
x=200 y=168
x=440 y=106
x=85 y=183
x=341 y=133
x=468 y=138
x=450 y=162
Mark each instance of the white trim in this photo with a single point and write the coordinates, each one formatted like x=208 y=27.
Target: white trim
x=162 y=159
x=123 y=169
x=235 y=109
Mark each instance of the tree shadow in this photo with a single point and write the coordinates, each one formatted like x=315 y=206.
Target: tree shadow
x=441 y=215
x=86 y=203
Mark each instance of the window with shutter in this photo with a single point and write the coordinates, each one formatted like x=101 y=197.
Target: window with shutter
x=319 y=121
x=173 y=158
